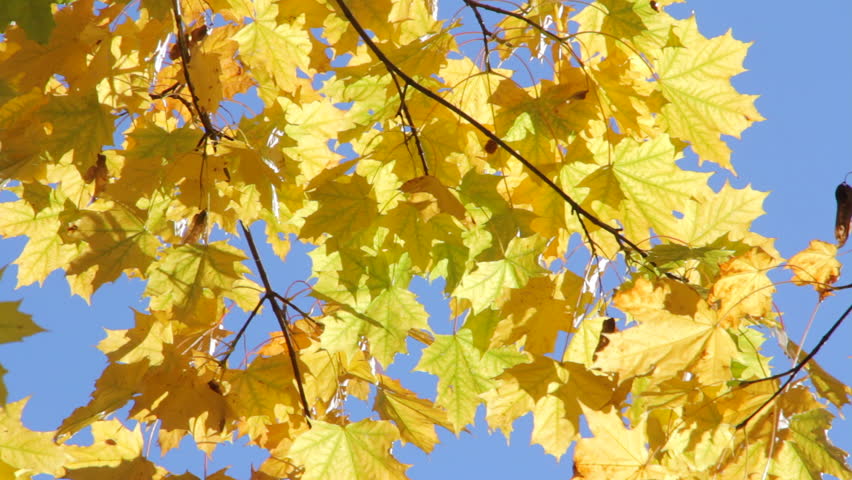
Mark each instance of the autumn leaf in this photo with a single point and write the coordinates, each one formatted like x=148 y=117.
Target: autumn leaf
x=843 y=195
x=15 y=325
x=701 y=114
x=415 y=417
x=616 y=452
x=535 y=240
x=816 y=265
x=26 y=450
x=358 y=450
x=114 y=449
x=463 y=373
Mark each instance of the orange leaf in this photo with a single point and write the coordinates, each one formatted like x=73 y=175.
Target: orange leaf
x=816 y=265
x=447 y=202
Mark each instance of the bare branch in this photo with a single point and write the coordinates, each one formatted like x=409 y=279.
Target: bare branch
x=795 y=370
x=282 y=321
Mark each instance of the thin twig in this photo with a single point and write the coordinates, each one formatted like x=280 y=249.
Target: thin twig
x=209 y=130
x=224 y=361
x=795 y=370
x=485 y=32
x=292 y=305
x=615 y=232
x=403 y=107
x=282 y=321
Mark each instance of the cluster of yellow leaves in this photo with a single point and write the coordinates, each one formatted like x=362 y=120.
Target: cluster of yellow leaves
x=119 y=166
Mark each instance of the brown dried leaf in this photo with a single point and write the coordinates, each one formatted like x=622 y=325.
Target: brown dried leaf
x=843 y=195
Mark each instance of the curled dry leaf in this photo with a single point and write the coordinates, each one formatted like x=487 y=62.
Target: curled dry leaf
x=99 y=174
x=196 y=228
x=843 y=194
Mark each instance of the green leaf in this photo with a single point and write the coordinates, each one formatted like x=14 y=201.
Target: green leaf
x=464 y=373
x=485 y=284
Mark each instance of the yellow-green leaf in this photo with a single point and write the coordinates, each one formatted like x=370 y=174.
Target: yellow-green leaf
x=359 y=451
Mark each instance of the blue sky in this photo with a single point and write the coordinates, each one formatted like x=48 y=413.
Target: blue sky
x=800 y=65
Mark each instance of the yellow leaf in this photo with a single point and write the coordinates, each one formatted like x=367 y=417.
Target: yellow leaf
x=805 y=451
x=26 y=450
x=816 y=265
x=115 y=240
x=205 y=71
x=463 y=373
x=184 y=398
x=615 y=452
x=744 y=288
x=185 y=275
x=666 y=345
x=828 y=387
x=695 y=79
x=447 y=202
x=81 y=124
x=279 y=48
x=359 y=451
x=349 y=209
x=534 y=311
x=555 y=424
x=15 y=325
x=485 y=284
x=266 y=389
x=112 y=445
x=415 y=417
x=143 y=342
x=716 y=214
x=115 y=387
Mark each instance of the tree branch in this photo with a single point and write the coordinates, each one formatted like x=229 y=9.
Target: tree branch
x=406 y=115
x=615 y=232
x=282 y=321
x=224 y=361
x=209 y=130
x=795 y=370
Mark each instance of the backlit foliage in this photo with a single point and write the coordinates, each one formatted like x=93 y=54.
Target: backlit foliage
x=591 y=279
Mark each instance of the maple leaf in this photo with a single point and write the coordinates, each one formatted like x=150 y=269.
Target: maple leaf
x=37 y=215
x=615 y=452
x=816 y=265
x=744 y=289
x=701 y=112
x=263 y=387
x=266 y=45
x=805 y=450
x=700 y=344
x=415 y=417
x=115 y=450
x=645 y=200
x=463 y=373
x=358 y=450
x=25 y=450
x=485 y=284
x=33 y=16
x=115 y=241
x=15 y=325
x=117 y=384
x=183 y=275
